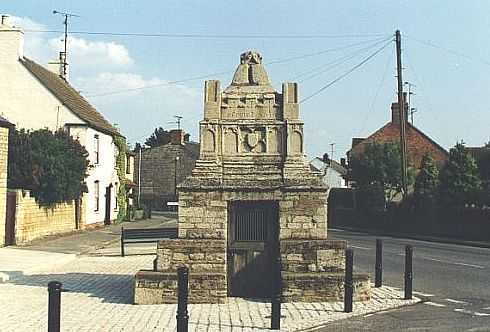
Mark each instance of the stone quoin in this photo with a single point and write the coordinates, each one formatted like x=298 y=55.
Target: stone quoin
x=251 y=191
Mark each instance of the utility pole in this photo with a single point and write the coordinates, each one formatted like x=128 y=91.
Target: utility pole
x=65 y=22
x=411 y=109
x=332 y=150
x=401 y=109
x=178 y=119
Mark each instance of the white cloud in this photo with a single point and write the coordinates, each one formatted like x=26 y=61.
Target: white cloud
x=143 y=104
x=101 y=67
x=83 y=54
x=87 y=53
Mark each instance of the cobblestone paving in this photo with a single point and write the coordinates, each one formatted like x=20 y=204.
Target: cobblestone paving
x=100 y=296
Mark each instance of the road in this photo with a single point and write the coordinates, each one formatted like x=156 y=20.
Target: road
x=453 y=280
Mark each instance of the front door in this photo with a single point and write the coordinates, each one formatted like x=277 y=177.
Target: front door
x=252 y=235
x=107 y=219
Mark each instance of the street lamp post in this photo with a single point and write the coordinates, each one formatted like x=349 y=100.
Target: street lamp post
x=175 y=176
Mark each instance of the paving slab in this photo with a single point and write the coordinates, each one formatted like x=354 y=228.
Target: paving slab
x=101 y=292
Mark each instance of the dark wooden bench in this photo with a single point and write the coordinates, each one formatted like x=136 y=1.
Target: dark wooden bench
x=145 y=235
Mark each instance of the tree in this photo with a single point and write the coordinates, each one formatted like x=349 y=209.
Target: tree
x=378 y=169
x=159 y=137
x=460 y=180
x=426 y=183
x=52 y=165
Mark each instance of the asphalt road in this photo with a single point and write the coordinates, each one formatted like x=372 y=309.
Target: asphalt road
x=453 y=280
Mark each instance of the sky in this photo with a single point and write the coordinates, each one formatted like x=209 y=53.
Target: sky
x=129 y=79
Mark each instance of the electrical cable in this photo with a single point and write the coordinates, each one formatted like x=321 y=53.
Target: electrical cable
x=370 y=109
x=448 y=50
x=207 y=36
x=345 y=74
x=223 y=72
x=333 y=64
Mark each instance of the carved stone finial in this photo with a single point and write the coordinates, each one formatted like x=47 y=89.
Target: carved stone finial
x=250 y=57
x=250 y=75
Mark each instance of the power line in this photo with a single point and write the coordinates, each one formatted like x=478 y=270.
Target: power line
x=448 y=50
x=210 y=36
x=370 y=109
x=333 y=64
x=300 y=57
x=345 y=74
x=278 y=61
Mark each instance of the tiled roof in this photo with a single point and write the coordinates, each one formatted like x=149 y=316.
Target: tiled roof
x=69 y=97
x=5 y=123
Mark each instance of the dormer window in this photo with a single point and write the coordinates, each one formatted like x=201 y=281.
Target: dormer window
x=96 y=148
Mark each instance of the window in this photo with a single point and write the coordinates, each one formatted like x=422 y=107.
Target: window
x=96 y=148
x=116 y=191
x=96 y=195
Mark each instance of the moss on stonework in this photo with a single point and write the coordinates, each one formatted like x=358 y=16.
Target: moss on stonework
x=122 y=148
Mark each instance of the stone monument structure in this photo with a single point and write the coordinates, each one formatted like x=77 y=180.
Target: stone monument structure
x=250 y=191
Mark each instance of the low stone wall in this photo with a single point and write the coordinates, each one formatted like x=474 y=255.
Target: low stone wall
x=153 y=287
x=206 y=260
x=322 y=287
x=33 y=221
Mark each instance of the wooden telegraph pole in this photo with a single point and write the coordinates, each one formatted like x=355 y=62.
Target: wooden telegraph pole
x=401 y=111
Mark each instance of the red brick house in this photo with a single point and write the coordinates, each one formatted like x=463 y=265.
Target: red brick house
x=418 y=143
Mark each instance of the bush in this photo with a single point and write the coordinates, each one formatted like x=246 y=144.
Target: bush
x=52 y=165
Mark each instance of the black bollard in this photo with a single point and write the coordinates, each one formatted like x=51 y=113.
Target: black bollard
x=54 y=306
x=348 y=283
x=182 y=293
x=378 y=277
x=276 y=297
x=408 y=272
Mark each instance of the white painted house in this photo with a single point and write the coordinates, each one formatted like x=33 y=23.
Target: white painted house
x=34 y=97
x=331 y=172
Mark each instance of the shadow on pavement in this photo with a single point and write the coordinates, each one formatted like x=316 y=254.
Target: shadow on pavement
x=111 y=288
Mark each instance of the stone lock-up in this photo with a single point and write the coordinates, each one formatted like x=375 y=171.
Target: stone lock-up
x=251 y=191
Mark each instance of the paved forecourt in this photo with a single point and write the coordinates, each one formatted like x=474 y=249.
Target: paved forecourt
x=100 y=296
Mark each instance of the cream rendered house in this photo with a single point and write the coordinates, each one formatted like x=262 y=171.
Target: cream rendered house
x=34 y=97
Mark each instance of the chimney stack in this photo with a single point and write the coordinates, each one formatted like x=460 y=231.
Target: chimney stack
x=177 y=137
x=11 y=41
x=395 y=111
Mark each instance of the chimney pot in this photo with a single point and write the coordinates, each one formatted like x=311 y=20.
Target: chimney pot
x=5 y=20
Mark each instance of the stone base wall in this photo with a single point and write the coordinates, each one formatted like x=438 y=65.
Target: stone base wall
x=153 y=287
x=197 y=254
x=322 y=287
x=302 y=214
x=206 y=260
x=33 y=221
x=313 y=256
x=202 y=215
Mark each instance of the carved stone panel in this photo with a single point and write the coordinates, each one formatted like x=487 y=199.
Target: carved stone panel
x=296 y=142
x=208 y=141
x=253 y=140
x=231 y=141
x=274 y=140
